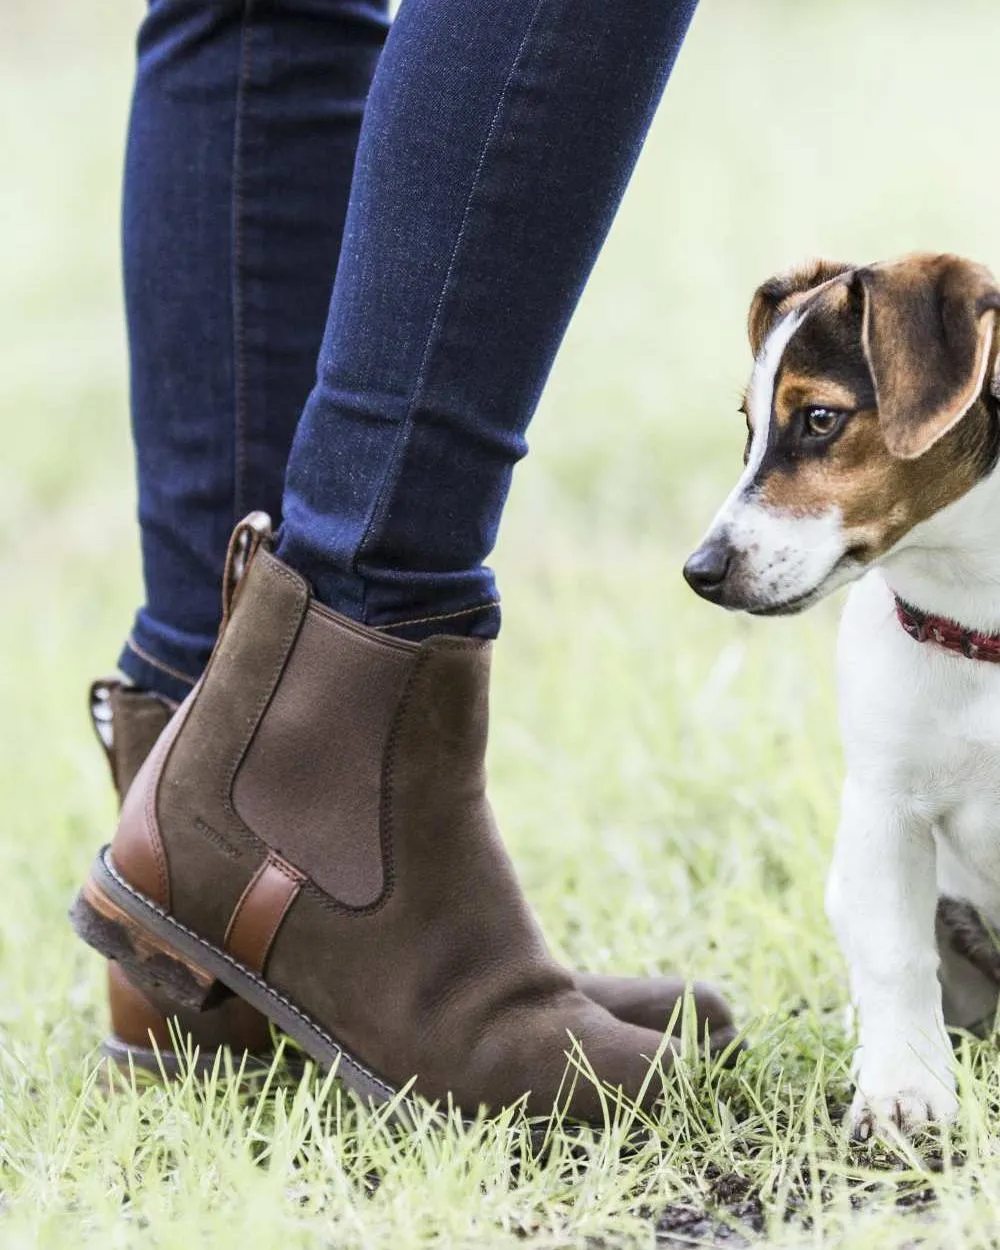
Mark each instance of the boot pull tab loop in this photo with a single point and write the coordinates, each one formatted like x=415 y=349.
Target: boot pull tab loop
x=102 y=717
x=253 y=532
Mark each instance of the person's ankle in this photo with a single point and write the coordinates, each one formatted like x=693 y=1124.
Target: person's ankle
x=410 y=605
x=479 y=621
x=146 y=673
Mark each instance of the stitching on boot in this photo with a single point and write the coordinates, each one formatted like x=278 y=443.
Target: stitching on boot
x=132 y=645
x=287 y=640
x=251 y=842
x=216 y=838
x=293 y=876
x=441 y=616
x=238 y=909
x=386 y=821
x=296 y=878
x=288 y=870
x=152 y=824
x=320 y=1032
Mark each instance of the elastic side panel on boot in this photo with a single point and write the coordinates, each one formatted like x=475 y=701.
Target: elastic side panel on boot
x=311 y=782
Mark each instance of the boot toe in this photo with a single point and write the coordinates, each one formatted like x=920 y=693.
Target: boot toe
x=649 y=1002
x=568 y=1054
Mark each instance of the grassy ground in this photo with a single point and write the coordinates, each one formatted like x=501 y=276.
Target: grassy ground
x=667 y=775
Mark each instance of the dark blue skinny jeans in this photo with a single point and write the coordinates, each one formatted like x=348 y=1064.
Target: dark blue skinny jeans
x=497 y=141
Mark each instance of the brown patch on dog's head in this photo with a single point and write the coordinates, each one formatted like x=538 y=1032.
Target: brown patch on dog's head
x=901 y=352
x=783 y=292
x=928 y=338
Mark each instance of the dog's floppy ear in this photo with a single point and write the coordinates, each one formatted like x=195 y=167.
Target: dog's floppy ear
x=927 y=334
x=777 y=295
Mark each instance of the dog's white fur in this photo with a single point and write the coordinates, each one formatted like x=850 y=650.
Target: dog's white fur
x=920 y=812
x=785 y=557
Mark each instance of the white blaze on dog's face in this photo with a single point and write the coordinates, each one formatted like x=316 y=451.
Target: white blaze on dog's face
x=866 y=415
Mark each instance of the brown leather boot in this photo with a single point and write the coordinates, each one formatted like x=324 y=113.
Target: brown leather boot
x=362 y=853
x=143 y=1036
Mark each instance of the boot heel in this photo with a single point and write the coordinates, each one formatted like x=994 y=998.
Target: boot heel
x=148 y=962
x=164 y=1040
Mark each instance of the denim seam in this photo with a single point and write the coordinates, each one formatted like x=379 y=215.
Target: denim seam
x=441 y=616
x=239 y=329
x=395 y=465
x=133 y=646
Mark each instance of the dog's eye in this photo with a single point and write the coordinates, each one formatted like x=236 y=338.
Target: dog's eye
x=820 y=421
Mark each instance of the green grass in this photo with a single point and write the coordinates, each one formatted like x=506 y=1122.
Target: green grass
x=666 y=774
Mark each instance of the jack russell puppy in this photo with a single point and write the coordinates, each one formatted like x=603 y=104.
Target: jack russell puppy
x=871 y=457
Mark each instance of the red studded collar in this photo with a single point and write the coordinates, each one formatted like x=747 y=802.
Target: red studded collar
x=923 y=627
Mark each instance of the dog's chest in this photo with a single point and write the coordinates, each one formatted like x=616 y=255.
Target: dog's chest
x=967 y=832
x=948 y=767
x=922 y=726
x=950 y=763
x=966 y=800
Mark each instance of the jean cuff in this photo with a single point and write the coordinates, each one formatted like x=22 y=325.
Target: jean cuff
x=481 y=621
x=147 y=672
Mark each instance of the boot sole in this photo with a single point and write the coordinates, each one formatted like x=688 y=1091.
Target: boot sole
x=173 y=962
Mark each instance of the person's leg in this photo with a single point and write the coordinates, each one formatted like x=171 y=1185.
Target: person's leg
x=223 y=354
x=498 y=141
x=323 y=847
x=241 y=146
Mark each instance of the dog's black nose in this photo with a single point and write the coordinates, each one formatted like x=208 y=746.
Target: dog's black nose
x=706 y=570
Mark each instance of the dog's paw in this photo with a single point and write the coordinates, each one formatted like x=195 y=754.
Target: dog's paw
x=905 y=1110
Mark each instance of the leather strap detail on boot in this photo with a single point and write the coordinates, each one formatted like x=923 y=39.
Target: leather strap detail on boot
x=260 y=911
x=252 y=533
x=101 y=707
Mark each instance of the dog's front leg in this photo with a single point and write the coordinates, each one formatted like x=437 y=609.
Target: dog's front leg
x=881 y=899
